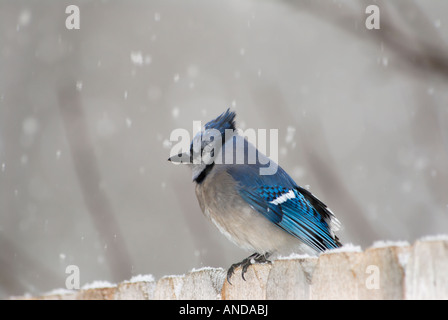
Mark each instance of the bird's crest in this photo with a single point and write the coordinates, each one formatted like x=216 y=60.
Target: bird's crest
x=225 y=121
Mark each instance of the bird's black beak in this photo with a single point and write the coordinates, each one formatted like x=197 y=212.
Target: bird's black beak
x=180 y=158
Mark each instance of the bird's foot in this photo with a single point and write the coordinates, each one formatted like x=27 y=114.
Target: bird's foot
x=246 y=263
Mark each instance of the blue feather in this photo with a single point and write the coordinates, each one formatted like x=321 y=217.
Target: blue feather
x=277 y=196
x=296 y=210
x=223 y=122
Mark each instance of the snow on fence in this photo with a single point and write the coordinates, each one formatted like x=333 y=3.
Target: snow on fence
x=384 y=271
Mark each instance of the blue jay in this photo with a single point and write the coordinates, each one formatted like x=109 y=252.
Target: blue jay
x=265 y=213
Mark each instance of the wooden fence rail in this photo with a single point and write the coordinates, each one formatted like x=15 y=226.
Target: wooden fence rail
x=386 y=271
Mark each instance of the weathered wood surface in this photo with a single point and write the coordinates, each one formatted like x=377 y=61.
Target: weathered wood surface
x=387 y=271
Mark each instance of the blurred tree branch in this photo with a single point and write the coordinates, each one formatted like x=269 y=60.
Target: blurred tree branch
x=414 y=51
x=89 y=177
x=20 y=273
x=407 y=33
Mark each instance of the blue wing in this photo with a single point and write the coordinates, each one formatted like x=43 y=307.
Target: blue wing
x=289 y=206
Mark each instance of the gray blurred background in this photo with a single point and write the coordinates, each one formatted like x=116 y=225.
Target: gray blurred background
x=86 y=116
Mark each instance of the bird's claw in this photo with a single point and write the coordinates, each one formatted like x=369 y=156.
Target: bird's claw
x=246 y=263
